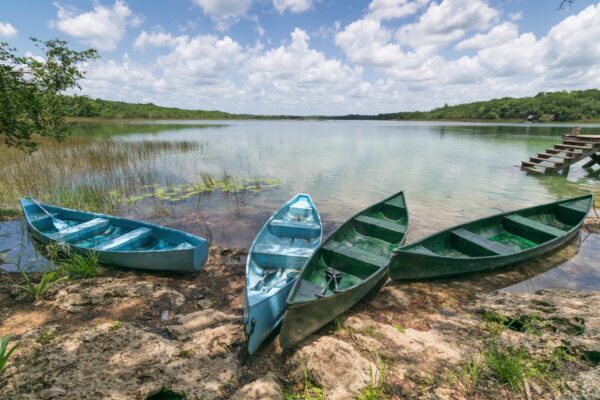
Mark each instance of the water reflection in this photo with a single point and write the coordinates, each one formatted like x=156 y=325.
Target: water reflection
x=450 y=173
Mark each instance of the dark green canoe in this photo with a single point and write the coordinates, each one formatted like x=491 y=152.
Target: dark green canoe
x=492 y=242
x=344 y=268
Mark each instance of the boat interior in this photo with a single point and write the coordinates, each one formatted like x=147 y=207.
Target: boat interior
x=103 y=233
x=282 y=248
x=506 y=234
x=357 y=250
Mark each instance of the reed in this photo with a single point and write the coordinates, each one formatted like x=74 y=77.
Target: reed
x=81 y=172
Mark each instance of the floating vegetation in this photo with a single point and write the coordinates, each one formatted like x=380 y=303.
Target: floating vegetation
x=226 y=184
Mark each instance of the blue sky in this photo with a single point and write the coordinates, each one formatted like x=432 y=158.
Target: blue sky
x=318 y=56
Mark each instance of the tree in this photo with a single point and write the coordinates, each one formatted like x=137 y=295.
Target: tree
x=30 y=91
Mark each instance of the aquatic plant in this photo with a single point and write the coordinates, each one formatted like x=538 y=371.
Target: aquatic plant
x=5 y=353
x=38 y=290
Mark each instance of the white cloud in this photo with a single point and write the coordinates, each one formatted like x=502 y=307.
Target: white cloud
x=7 y=31
x=294 y=6
x=102 y=28
x=391 y=9
x=224 y=12
x=156 y=39
x=498 y=35
x=446 y=22
x=379 y=72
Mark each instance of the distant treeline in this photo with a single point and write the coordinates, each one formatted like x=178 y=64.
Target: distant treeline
x=86 y=107
x=577 y=105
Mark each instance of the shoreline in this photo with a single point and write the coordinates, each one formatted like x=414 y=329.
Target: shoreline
x=108 y=337
x=328 y=118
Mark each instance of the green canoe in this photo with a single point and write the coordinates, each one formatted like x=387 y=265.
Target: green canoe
x=344 y=268
x=492 y=242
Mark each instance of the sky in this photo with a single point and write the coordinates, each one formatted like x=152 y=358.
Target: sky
x=315 y=57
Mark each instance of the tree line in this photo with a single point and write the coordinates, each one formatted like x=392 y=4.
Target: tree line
x=564 y=106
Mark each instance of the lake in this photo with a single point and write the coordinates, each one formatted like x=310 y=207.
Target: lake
x=227 y=177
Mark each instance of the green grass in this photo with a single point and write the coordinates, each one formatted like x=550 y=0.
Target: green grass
x=81 y=266
x=509 y=364
x=472 y=370
x=39 y=290
x=5 y=352
x=309 y=392
x=372 y=332
x=115 y=325
x=186 y=353
x=398 y=327
x=46 y=336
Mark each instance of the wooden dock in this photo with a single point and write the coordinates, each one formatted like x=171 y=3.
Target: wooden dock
x=573 y=148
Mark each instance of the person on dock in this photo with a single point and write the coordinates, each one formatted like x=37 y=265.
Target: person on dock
x=576 y=130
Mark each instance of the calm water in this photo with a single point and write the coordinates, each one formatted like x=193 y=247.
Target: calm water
x=450 y=172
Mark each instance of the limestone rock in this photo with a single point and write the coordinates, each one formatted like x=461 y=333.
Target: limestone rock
x=52 y=392
x=265 y=388
x=92 y=292
x=335 y=366
x=184 y=326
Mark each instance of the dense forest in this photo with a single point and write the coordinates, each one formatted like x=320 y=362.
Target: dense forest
x=578 y=105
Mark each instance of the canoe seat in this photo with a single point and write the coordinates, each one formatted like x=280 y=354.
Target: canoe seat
x=281 y=257
x=535 y=228
x=82 y=231
x=423 y=250
x=354 y=253
x=479 y=245
x=183 y=246
x=575 y=207
x=396 y=202
x=128 y=240
x=303 y=230
x=381 y=229
x=300 y=209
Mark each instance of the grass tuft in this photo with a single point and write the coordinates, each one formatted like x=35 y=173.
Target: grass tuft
x=38 y=290
x=82 y=266
x=46 y=336
x=5 y=353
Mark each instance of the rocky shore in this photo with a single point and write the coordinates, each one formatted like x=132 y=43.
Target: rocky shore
x=130 y=335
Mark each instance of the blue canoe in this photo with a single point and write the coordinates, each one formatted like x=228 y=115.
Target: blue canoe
x=117 y=241
x=275 y=261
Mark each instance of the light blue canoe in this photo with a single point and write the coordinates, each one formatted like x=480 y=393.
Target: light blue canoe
x=275 y=261
x=117 y=241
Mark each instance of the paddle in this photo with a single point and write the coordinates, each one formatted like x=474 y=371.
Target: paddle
x=266 y=273
x=333 y=275
x=58 y=224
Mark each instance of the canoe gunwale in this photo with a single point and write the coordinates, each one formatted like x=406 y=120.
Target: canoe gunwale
x=407 y=248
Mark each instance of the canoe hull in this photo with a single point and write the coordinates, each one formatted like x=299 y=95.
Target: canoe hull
x=409 y=264
x=264 y=311
x=181 y=260
x=264 y=317
x=304 y=319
